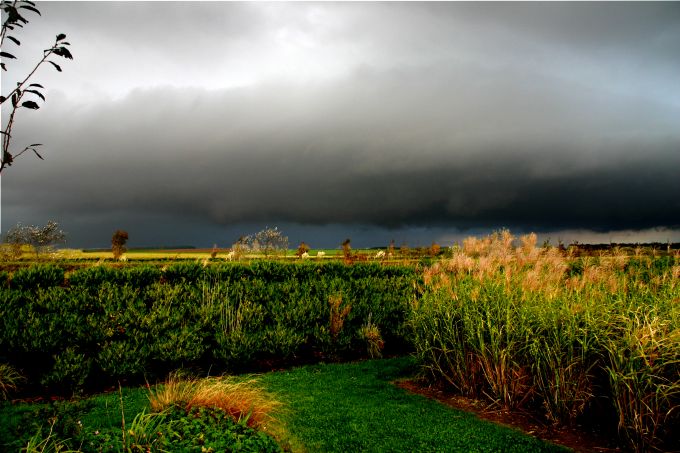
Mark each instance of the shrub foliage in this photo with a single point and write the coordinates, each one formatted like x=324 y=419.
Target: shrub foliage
x=102 y=324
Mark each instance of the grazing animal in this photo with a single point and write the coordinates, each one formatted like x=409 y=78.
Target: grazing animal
x=122 y=258
x=320 y=254
x=231 y=255
x=380 y=255
x=304 y=255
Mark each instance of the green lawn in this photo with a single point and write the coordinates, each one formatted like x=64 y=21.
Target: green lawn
x=330 y=408
x=355 y=407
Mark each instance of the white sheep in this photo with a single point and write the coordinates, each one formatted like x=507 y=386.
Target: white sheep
x=231 y=255
x=320 y=254
x=122 y=258
x=304 y=255
x=380 y=255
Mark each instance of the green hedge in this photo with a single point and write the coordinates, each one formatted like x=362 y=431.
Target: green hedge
x=102 y=324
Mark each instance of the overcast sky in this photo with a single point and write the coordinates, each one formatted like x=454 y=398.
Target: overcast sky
x=195 y=123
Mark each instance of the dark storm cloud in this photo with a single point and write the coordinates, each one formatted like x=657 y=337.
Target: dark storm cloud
x=536 y=117
x=382 y=149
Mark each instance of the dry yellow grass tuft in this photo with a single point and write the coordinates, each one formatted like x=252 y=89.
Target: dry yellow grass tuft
x=244 y=400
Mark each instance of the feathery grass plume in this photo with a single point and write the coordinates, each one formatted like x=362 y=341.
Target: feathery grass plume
x=460 y=264
x=244 y=400
x=527 y=327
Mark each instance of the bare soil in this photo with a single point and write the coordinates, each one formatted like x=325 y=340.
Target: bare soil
x=579 y=440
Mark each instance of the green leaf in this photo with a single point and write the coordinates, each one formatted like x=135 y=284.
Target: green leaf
x=30 y=105
x=13 y=39
x=7 y=55
x=57 y=67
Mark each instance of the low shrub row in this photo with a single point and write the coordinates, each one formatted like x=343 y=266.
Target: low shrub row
x=102 y=324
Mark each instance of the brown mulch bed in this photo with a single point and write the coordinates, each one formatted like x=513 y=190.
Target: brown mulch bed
x=578 y=440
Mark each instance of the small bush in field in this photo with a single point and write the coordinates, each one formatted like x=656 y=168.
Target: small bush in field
x=302 y=249
x=118 y=241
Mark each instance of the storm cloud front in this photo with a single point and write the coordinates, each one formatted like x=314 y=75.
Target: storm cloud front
x=195 y=124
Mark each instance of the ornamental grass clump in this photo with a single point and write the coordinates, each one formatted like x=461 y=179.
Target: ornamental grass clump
x=374 y=341
x=9 y=380
x=537 y=329
x=244 y=400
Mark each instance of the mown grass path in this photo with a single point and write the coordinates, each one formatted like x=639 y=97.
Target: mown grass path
x=352 y=407
x=356 y=407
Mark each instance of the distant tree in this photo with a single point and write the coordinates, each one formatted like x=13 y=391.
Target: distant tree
x=240 y=247
x=118 y=242
x=40 y=239
x=434 y=249
x=25 y=95
x=347 y=250
x=302 y=248
x=271 y=240
x=267 y=241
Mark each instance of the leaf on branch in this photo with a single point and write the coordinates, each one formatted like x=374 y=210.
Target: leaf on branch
x=29 y=2
x=57 y=67
x=13 y=39
x=36 y=144
x=30 y=8
x=62 y=52
x=37 y=93
x=36 y=153
x=2 y=65
x=15 y=99
x=2 y=99
x=36 y=85
x=7 y=55
x=30 y=105
x=61 y=36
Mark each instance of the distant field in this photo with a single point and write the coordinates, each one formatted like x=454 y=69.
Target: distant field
x=184 y=254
